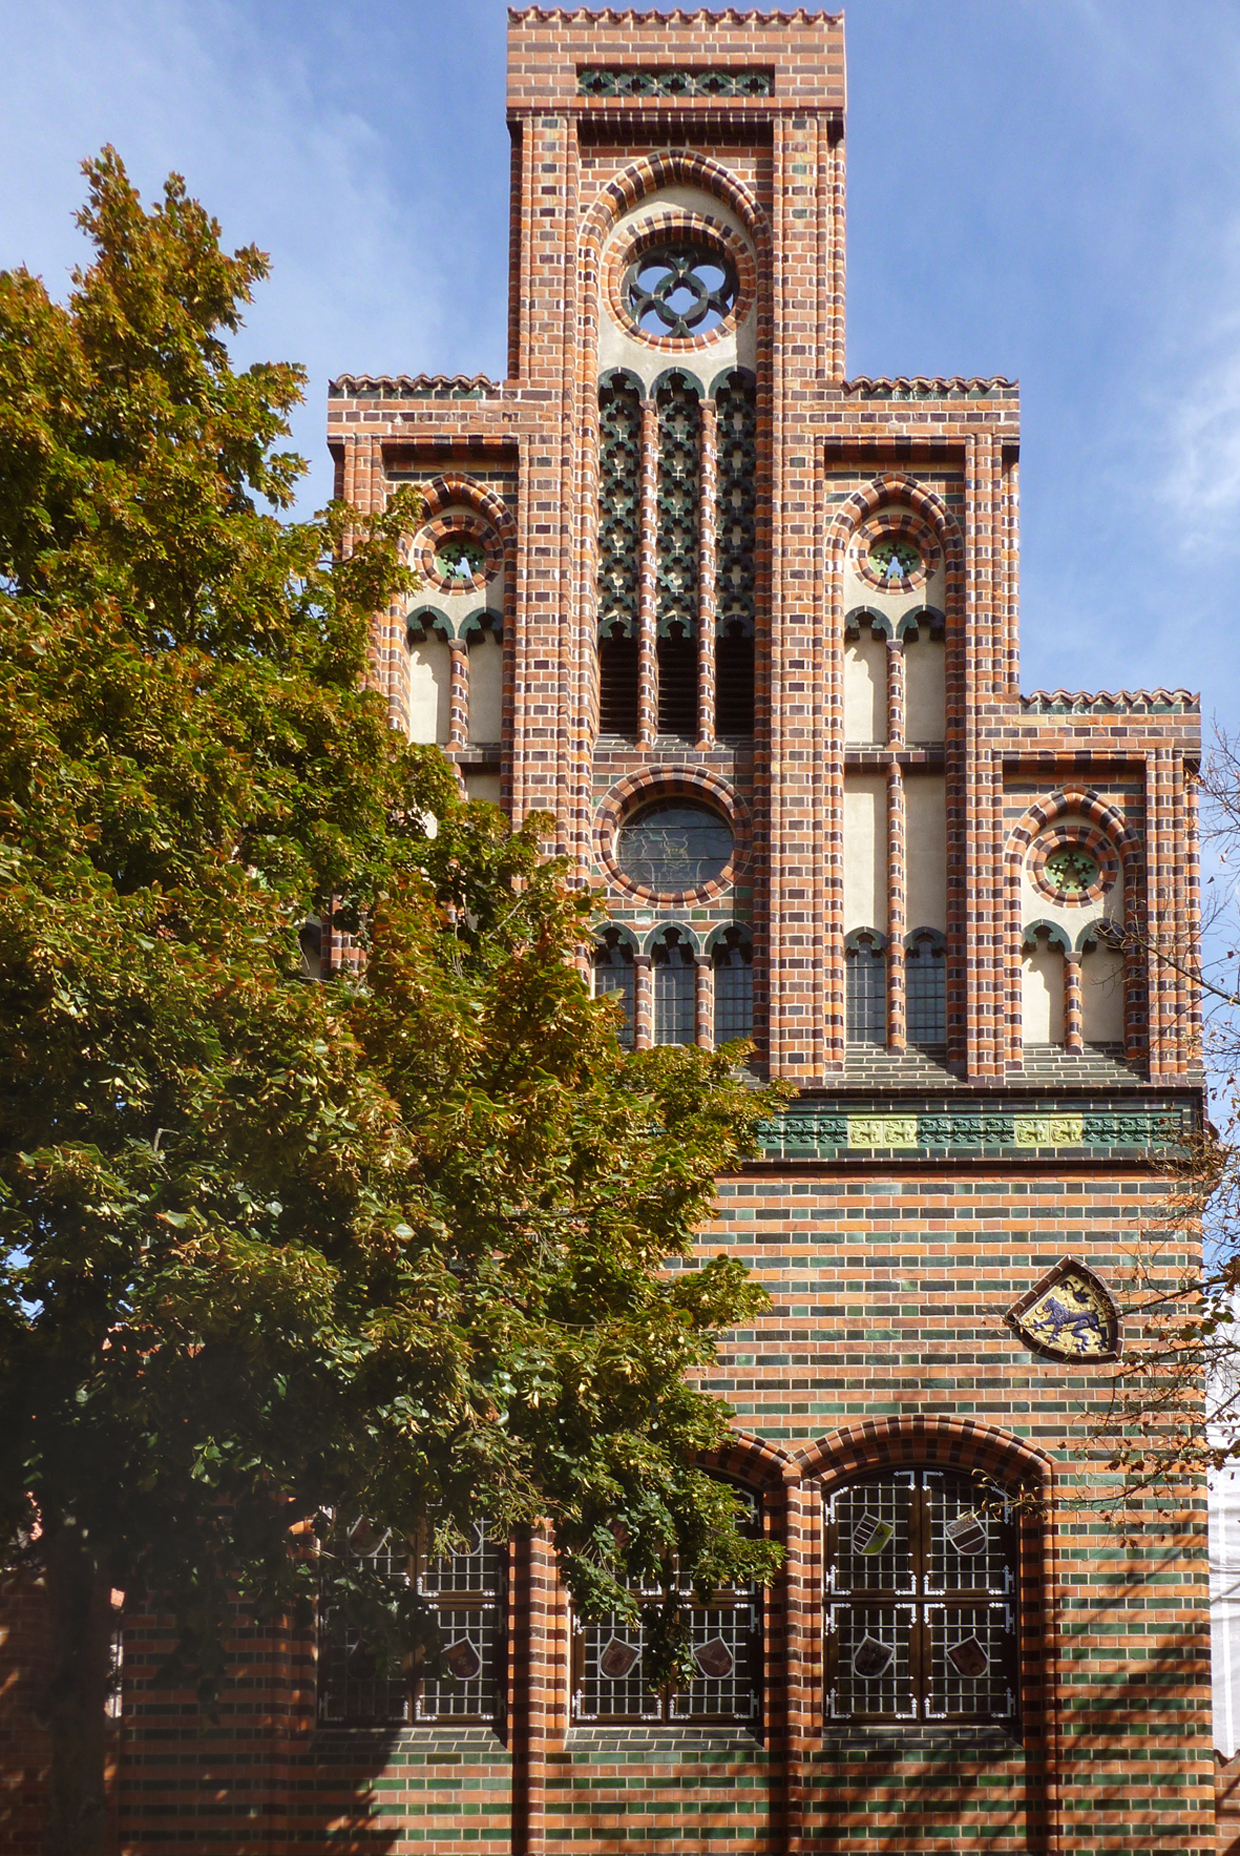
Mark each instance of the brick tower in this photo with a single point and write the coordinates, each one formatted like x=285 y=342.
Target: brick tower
x=748 y=629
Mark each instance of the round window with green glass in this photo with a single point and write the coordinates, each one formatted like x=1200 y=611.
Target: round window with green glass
x=460 y=558
x=674 y=845
x=892 y=559
x=1072 y=870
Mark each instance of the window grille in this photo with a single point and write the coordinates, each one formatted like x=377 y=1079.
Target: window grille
x=675 y=988
x=465 y=1593
x=614 y=976
x=733 y=963
x=676 y=507
x=920 y=1600
x=674 y=845
x=735 y=576
x=619 y=506
x=609 y=1680
x=925 y=980
x=865 y=965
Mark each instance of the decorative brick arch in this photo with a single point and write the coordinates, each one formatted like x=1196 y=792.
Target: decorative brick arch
x=674 y=167
x=894 y=488
x=1111 y=836
x=940 y=1442
x=753 y=1461
x=1108 y=819
x=451 y=487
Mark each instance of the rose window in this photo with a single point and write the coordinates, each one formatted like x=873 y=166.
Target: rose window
x=680 y=290
x=459 y=558
x=674 y=846
x=894 y=560
x=1072 y=870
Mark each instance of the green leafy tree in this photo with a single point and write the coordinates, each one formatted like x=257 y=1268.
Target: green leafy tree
x=388 y=1245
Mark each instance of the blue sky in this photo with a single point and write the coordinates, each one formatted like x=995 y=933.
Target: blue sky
x=1046 y=190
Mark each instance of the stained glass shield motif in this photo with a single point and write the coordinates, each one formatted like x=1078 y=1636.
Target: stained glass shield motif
x=618 y=1659
x=1069 y=1314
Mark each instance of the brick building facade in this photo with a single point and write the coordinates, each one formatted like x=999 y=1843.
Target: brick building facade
x=748 y=630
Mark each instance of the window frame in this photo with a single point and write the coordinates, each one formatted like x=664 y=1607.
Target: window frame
x=407 y=1683
x=671 y=1707
x=865 y=954
x=920 y=1605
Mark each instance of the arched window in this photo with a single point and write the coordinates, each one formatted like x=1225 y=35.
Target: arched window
x=921 y=1597
x=734 y=680
x=732 y=959
x=925 y=981
x=609 y=1682
x=678 y=683
x=675 y=987
x=614 y=976
x=360 y=1684
x=618 y=685
x=865 y=968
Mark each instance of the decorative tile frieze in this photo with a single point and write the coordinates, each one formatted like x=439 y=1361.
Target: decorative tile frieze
x=608 y=81
x=817 y=1131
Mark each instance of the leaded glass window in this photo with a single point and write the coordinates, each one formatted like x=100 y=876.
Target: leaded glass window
x=609 y=1679
x=614 y=976
x=466 y=1592
x=675 y=987
x=362 y=1683
x=732 y=959
x=865 y=969
x=920 y=1600
x=675 y=845
x=925 y=987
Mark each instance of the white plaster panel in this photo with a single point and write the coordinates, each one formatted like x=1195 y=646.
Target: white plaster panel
x=1102 y=996
x=859 y=592
x=486 y=688
x=865 y=688
x=865 y=851
x=1036 y=906
x=925 y=688
x=925 y=850
x=480 y=784
x=430 y=689
x=689 y=200
x=1042 y=996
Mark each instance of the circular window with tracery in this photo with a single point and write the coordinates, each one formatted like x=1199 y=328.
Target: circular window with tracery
x=1072 y=870
x=457 y=552
x=460 y=559
x=1073 y=864
x=894 y=551
x=679 y=290
x=674 y=845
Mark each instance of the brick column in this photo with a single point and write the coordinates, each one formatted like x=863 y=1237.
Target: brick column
x=1073 y=1016
x=458 y=698
x=704 y=1002
x=896 y=910
x=895 y=693
x=643 y=1003
x=707 y=560
x=647 y=591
